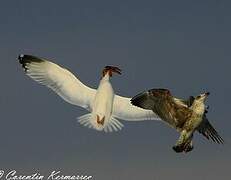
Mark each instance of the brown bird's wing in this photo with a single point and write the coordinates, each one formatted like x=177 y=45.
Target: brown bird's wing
x=164 y=105
x=187 y=103
x=209 y=132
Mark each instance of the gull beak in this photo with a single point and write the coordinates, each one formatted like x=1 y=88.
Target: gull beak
x=111 y=70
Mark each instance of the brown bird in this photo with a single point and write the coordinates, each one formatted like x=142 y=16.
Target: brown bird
x=186 y=116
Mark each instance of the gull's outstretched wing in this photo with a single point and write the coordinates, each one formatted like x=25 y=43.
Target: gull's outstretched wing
x=209 y=132
x=60 y=80
x=123 y=109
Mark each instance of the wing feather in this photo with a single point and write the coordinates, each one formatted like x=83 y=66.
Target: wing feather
x=209 y=132
x=161 y=102
x=60 y=80
x=123 y=109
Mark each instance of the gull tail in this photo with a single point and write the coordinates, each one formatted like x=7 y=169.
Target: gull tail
x=85 y=120
x=112 y=125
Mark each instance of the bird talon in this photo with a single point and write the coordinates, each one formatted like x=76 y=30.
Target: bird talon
x=178 y=148
x=188 y=149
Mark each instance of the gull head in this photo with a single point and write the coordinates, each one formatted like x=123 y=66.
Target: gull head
x=110 y=70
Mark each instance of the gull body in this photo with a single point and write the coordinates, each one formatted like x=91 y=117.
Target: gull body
x=103 y=103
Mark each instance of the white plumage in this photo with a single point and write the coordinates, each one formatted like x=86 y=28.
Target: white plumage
x=104 y=106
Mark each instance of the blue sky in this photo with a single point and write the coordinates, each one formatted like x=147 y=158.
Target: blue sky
x=180 y=45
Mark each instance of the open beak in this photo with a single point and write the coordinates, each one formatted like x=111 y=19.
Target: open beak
x=111 y=70
x=207 y=93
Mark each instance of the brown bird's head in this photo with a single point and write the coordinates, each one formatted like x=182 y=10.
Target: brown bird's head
x=198 y=104
x=202 y=97
x=110 y=70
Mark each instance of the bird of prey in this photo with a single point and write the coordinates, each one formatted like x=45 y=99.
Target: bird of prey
x=104 y=106
x=186 y=116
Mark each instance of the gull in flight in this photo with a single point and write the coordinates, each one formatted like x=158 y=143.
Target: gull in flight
x=186 y=116
x=104 y=106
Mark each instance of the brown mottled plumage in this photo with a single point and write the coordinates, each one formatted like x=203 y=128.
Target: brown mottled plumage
x=185 y=116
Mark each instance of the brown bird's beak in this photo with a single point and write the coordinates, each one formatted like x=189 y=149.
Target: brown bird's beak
x=207 y=93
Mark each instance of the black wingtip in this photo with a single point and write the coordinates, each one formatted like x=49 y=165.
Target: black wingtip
x=26 y=59
x=20 y=56
x=21 y=61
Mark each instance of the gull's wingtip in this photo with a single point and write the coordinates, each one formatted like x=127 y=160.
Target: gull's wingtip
x=20 y=58
x=26 y=58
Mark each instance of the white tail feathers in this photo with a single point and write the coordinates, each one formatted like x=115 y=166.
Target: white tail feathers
x=111 y=125
x=85 y=120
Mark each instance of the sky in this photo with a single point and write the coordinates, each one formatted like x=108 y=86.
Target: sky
x=180 y=45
